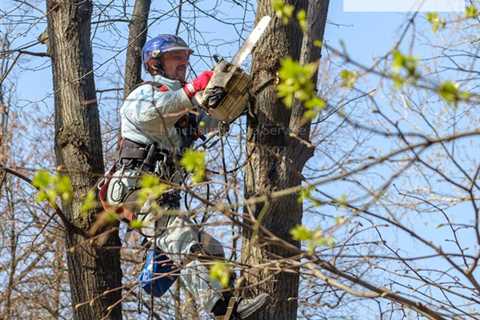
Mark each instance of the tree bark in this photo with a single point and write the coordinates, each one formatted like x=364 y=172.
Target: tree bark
x=3 y=138
x=78 y=148
x=137 y=35
x=4 y=46
x=277 y=159
x=13 y=242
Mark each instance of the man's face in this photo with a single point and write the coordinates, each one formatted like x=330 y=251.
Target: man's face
x=174 y=64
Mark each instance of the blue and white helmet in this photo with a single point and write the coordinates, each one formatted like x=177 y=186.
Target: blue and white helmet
x=162 y=43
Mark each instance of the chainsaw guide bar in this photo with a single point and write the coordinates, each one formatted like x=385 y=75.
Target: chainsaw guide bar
x=226 y=95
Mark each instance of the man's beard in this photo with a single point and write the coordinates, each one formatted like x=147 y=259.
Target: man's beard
x=180 y=73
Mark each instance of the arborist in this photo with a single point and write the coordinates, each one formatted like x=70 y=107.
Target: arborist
x=157 y=124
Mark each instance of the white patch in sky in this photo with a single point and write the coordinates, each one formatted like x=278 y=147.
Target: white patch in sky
x=403 y=5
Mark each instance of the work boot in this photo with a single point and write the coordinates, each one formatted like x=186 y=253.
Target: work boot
x=239 y=308
x=247 y=307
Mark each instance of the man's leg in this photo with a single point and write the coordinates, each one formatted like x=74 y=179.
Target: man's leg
x=196 y=276
x=181 y=242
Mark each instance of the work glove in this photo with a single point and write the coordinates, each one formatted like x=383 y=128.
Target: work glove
x=198 y=84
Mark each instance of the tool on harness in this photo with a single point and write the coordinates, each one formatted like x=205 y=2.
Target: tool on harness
x=226 y=96
x=145 y=157
x=149 y=161
x=188 y=130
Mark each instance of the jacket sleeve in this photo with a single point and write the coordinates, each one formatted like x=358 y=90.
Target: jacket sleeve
x=162 y=106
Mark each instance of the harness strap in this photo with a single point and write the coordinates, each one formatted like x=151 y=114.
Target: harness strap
x=139 y=151
x=133 y=150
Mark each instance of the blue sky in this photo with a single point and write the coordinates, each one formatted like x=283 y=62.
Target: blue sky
x=366 y=35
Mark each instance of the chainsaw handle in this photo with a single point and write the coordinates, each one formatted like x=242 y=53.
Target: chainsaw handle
x=209 y=101
x=198 y=100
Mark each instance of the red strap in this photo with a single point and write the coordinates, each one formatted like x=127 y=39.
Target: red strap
x=103 y=184
x=102 y=192
x=162 y=88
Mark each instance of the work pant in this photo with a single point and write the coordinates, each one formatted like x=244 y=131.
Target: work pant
x=175 y=235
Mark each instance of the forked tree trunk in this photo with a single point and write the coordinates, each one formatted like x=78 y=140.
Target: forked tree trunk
x=277 y=159
x=78 y=147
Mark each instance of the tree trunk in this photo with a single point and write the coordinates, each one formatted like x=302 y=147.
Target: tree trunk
x=78 y=147
x=3 y=138
x=4 y=66
x=277 y=159
x=58 y=272
x=13 y=242
x=137 y=35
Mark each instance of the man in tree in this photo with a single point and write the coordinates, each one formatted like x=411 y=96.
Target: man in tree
x=157 y=125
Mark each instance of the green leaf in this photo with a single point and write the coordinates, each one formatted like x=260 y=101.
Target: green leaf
x=295 y=81
x=90 y=202
x=315 y=103
x=436 y=22
x=50 y=187
x=152 y=193
x=451 y=93
x=348 y=78
x=471 y=12
x=398 y=60
x=319 y=239
x=448 y=90
x=317 y=43
x=340 y=220
x=63 y=186
x=330 y=242
x=142 y=196
x=301 y=233
x=398 y=81
x=313 y=238
x=42 y=179
x=41 y=196
x=150 y=189
x=305 y=194
x=157 y=191
x=148 y=181
x=302 y=20
x=136 y=224
x=310 y=114
x=51 y=196
x=194 y=162
x=342 y=201
x=313 y=106
x=404 y=62
x=282 y=10
x=220 y=271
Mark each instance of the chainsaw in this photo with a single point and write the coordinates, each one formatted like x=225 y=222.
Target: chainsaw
x=226 y=96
